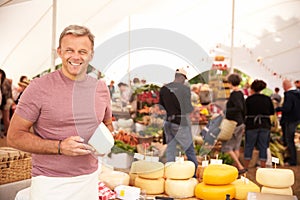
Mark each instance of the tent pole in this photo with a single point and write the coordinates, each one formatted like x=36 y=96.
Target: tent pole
x=129 y=48
x=232 y=38
x=53 y=49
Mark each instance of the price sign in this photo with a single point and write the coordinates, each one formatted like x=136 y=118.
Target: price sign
x=275 y=160
x=139 y=156
x=204 y=163
x=216 y=161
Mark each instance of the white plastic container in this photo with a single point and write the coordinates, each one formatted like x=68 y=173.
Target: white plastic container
x=127 y=192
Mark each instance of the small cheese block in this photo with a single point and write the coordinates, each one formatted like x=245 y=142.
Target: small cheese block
x=275 y=178
x=214 y=192
x=114 y=178
x=219 y=174
x=148 y=169
x=180 y=188
x=179 y=170
x=151 y=186
x=242 y=187
x=282 y=191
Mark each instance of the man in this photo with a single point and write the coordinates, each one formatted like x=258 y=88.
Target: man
x=297 y=84
x=290 y=118
x=276 y=96
x=175 y=97
x=64 y=108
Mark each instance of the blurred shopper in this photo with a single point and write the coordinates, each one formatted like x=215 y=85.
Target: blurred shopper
x=235 y=110
x=7 y=100
x=175 y=97
x=290 y=118
x=64 y=108
x=111 y=88
x=258 y=124
x=276 y=96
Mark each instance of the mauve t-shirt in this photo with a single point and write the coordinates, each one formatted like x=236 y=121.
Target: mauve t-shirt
x=60 y=108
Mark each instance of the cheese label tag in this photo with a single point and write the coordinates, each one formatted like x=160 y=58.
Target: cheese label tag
x=122 y=193
x=275 y=160
x=216 y=161
x=139 y=156
x=179 y=159
x=204 y=163
x=152 y=158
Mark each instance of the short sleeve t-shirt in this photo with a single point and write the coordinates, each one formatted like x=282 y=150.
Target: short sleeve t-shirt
x=60 y=108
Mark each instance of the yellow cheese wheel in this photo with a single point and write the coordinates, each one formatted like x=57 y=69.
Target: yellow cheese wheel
x=147 y=169
x=219 y=174
x=243 y=187
x=214 y=192
x=132 y=178
x=114 y=178
x=179 y=170
x=180 y=188
x=275 y=178
x=151 y=186
x=282 y=191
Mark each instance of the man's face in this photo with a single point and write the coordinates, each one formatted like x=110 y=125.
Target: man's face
x=75 y=52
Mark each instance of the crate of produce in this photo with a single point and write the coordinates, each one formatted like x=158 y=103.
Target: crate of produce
x=15 y=165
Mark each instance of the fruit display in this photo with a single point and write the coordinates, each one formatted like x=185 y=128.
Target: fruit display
x=126 y=137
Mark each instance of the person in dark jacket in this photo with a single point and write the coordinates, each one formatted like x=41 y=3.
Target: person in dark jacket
x=175 y=98
x=235 y=110
x=290 y=118
x=259 y=107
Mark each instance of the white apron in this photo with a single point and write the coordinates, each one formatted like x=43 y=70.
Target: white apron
x=84 y=187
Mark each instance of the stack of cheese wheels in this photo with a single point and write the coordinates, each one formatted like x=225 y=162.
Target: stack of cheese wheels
x=217 y=179
x=113 y=178
x=243 y=186
x=149 y=176
x=275 y=181
x=179 y=182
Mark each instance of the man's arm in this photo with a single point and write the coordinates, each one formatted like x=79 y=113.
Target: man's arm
x=20 y=137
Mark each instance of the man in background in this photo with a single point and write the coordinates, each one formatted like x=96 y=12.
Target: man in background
x=290 y=118
x=175 y=97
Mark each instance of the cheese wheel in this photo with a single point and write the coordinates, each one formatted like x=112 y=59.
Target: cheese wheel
x=151 y=186
x=275 y=178
x=243 y=187
x=147 y=169
x=219 y=174
x=214 y=192
x=132 y=178
x=179 y=170
x=180 y=188
x=282 y=191
x=114 y=178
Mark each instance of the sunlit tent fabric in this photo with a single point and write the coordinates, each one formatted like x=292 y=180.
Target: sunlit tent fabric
x=266 y=42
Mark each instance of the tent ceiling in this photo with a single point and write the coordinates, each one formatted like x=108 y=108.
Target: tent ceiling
x=267 y=29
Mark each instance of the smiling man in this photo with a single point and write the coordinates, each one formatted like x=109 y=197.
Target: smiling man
x=63 y=108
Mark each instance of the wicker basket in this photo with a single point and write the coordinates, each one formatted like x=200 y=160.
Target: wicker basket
x=14 y=165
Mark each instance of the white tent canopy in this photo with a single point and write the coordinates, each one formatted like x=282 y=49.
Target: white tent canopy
x=265 y=31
